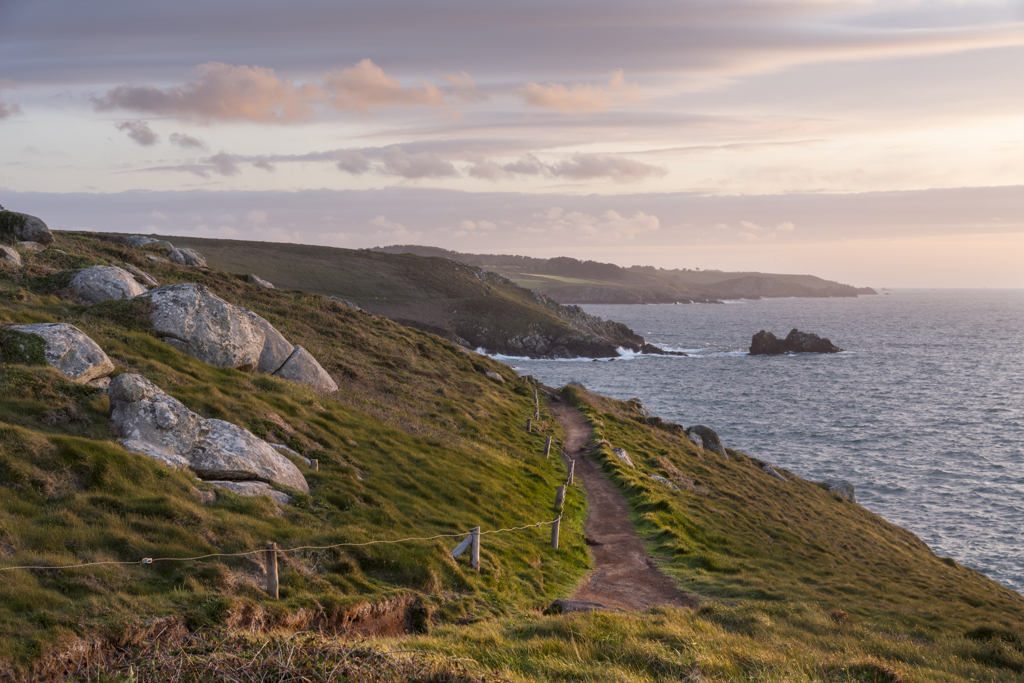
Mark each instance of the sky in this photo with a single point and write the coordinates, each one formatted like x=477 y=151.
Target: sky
x=879 y=143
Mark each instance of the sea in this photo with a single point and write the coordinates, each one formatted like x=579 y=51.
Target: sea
x=923 y=411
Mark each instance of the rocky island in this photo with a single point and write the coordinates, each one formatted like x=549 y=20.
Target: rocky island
x=767 y=344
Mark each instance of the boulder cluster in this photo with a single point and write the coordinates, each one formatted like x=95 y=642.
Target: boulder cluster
x=767 y=344
x=192 y=319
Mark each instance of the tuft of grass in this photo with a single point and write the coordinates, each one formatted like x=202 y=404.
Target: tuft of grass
x=23 y=348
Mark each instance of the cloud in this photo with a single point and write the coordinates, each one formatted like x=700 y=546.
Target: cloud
x=590 y=166
x=351 y=161
x=750 y=226
x=157 y=215
x=609 y=225
x=186 y=141
x=139 y=131
x=8 y=109
x=391 y=229
x=264 y=164
x=785 y=227
x=468 y=228
x=582 y=97
x=224 y=164
x=365 y=86
x=464 y=88
x=417 y=165
x=256 y=216
x=219 y=92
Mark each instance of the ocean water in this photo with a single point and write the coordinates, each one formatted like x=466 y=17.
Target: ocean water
x=923 y=412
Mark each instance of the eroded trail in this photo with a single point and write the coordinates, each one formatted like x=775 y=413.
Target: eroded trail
x=624 y=575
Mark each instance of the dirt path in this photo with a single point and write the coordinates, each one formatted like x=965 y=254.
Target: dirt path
x=624 y=575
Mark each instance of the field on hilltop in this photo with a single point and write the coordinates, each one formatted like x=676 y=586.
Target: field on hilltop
x=793 y=582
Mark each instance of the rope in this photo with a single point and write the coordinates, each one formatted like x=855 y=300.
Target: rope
x=152 y=560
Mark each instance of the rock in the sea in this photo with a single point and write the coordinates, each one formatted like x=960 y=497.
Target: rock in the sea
x=259 y=282
x=623 y=456
x=150 y=422
x=71 y=351
x=771 y=472
x=195 y=321
x=103 y=283
x=709 y=439
x=301 y=367
x=27 y=228
x=10 y=254
x=843 y=488
x=141 y=276
x=30 y=246
x=253 y=488
x=767 y=344
x=276 y=349
x=664 y=481
x=187 y=257
x=231 y=453
x=496 y=377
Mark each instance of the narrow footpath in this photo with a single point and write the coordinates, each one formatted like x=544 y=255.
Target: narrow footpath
x=624 y=575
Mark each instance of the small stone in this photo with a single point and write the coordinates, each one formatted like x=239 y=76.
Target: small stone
x=10 y=254
x=664 y=481
x=156 y=259
x=843 y=488
x=622 y=455
x=103 y=283
x=496 y=377
x=303 y=368
x=259 y=282
x=771 y=472
x=252 y=489
x=30 y=246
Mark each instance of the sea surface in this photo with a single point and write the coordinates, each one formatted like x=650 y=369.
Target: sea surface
x=923 y=412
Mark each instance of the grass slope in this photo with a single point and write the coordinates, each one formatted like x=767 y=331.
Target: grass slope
x=417 y=442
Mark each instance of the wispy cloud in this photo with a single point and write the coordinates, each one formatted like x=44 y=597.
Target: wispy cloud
x=581 y=98
x=186 y=141
x=139 y=131
x=607 y=226
x=589 y=166
x=7 y=109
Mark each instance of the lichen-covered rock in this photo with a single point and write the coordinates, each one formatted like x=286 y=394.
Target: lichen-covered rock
x=666 y=482
x=843 y=488
x=276 y=349
x=253 y=488
x=187 y=257
x=156 y=259
x=695 y=439
x=151 y=423
x=10 y=254
x=709 y=439
x=141 y=276
x=139 y=241
x=71 y=351
x=623 y=456
x=195 y=321
x=231 y=453
x=103 y=283
x=140 y=412
x=496 y=377
x=30 y=246
x=259 y=282
x=27 y=228
x=771 y=472
x=301 y=367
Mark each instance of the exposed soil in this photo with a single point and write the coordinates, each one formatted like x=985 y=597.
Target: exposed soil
x=624 y=575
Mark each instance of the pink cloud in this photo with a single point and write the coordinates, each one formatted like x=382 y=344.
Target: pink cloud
x=582 y=98
x=365 y=86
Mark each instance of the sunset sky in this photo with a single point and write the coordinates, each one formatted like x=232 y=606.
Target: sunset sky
x=876 y=143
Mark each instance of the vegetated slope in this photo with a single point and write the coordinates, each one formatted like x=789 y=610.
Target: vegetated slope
x=417 y=442
x=465 y=304
x=795 y=583
x=568 y=280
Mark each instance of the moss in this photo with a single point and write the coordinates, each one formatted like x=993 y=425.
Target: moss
x=23 y=348
x=10 y=224
x=49 y=284
x=130 y=314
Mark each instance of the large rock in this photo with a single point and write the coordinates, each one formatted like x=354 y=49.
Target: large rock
x=151 y=423
x=10 y=254
x=31 y=229
x=195 y=321
x=843 y=488
x=141 y=276
x=301 y=367
x=276 y=349
x=231 y=453
x=69 y=350
x=709 y=439
x=767 y=344
x=253 y=488
x=139 y=241
x=102 y=283
x=141 y=412
x=187 y=257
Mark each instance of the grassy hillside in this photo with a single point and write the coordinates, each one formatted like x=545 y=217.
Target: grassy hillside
x=569 y=280
x=795 y=583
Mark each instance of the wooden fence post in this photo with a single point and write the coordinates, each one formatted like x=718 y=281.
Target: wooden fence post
x=554 y=532
x=314 y=464
x=474 y=551
x=572 y=471
x=536 y=400
x=529 y=424
x=560 y=497
x=547 y=447
x=270 y=561
x=536 y=414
